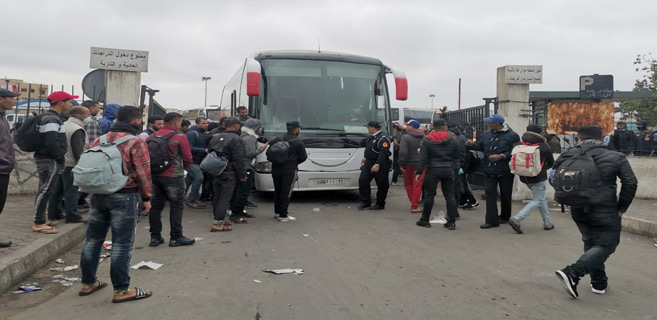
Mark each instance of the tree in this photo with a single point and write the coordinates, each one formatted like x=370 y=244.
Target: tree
x=644 y=109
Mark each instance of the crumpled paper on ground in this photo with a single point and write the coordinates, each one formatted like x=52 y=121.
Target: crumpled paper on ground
x=69 y=268
x=147 y=265
x=284 y=271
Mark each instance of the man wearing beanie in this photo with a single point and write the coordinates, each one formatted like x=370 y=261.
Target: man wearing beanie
x=537 y=184
x=599 y=219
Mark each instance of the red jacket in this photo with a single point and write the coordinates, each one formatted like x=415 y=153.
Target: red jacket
x=136 y=163
x=179 y=151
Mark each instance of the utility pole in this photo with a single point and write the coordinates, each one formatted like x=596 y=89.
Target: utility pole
x=432 y=96
x=205 y=106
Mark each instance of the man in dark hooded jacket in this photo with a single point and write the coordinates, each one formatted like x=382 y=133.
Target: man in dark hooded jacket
x=623 y=139
x=439 y=154
x=107 y=121
x=496 y=144
x=599 y=220
x=537 y=184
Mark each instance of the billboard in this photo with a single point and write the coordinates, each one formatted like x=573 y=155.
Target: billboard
x=568 y=117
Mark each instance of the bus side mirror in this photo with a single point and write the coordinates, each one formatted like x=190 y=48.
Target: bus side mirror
x=252 y=77
x=401 y=85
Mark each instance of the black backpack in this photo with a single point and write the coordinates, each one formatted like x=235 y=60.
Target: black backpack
x=576 y=180
x=28 y=137
x=158 y=149
x=279 y=152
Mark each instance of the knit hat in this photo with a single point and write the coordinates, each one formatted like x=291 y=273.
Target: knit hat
x=590 y=132
x=534 y=128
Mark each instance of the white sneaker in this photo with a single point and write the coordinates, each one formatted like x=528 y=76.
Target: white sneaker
x=277 y=216
x=286 y=219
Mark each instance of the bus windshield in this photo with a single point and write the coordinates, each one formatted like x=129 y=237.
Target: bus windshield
x=326 y=97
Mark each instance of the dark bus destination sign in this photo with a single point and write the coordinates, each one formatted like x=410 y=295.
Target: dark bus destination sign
x=596 y=87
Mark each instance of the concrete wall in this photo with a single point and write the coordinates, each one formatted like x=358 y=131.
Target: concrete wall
x=644 y=169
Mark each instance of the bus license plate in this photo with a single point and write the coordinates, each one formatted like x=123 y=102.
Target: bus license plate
x=324 y=182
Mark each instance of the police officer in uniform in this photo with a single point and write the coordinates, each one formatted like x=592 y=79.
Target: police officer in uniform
x=375 y=165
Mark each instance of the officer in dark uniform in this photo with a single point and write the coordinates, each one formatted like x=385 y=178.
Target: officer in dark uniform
x=375 y=165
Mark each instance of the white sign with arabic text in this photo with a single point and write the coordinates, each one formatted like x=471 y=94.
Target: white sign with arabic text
x=523 y=74
x=119 y=59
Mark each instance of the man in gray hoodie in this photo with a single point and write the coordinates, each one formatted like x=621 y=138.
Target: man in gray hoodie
x=409 y=158
x=7 y=101
x=250 y=134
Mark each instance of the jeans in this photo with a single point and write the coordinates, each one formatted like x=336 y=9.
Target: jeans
x=117 y=211
x=64 y=189
x=4 y=186
x=381 y=178
x=48 y=170
x=195 y=180
x=413 y=188
x=444 y=176
x=223 y=186
x=283 y=183
x=600 y=231
x=241 y=194
x=172 y=190
x=505 y=183
x=539 y=199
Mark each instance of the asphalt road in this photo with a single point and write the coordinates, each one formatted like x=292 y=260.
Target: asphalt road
x=362 y=265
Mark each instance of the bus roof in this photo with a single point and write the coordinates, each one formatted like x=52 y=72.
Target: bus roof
x=314 y=55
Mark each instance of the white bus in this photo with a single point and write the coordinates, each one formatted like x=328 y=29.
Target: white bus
x=424 y=116
x=332 y=95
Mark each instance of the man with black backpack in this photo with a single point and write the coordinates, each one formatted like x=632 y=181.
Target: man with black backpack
x=170 y=154
x=285 y=153
x=584 y=178
x=229 y=146
x=49 y=153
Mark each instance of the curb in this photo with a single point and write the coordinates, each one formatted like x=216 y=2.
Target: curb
x=639 y=226
x=20 y=264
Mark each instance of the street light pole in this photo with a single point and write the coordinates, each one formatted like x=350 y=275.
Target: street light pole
x=206 y=90
x=432 y=96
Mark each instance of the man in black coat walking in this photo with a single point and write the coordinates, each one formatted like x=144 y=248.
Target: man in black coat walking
x=285 y=174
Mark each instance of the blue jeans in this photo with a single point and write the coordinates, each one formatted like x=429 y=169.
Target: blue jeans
x=195 y=180
x=119 y=212
x=600 y=231
x=539 y=199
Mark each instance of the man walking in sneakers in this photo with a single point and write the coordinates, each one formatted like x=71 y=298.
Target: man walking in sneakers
x=169 y=185
x=7 y=101
x=198 y=142
x=537 y=184
x=50 y=157
x=496 y=144
x=118 y=212
x=598 y=214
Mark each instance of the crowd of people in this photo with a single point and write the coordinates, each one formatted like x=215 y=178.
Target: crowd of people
x=168 y=162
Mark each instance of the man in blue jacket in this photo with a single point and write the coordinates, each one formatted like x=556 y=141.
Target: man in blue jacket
x=496 y=144
x=198 y=141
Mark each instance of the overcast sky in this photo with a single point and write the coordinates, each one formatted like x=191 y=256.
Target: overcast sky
x=434 y=42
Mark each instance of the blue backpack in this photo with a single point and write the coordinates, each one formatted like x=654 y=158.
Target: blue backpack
x=100 y=169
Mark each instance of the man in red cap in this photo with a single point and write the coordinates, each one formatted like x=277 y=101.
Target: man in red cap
x=50 y=156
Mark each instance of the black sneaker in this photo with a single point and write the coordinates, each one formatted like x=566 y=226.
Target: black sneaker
x=182 y=241
x=423 y=223
x=251 y=205
x=504 y=221
x=450 y=226
x=376 y=207
x=363 y=206
x=569 y=281
x=515 y=226
x=599 y=288
x=156 y=241
x=471 y=206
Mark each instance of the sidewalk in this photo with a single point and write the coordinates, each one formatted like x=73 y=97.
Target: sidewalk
x=30 y=250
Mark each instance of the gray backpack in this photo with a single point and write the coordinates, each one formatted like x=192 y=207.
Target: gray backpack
x=100 y=169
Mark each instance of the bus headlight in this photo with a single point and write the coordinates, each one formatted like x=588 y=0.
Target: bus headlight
x=264 y=166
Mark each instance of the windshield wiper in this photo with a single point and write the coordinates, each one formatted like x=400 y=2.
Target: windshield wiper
x=324 y=129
